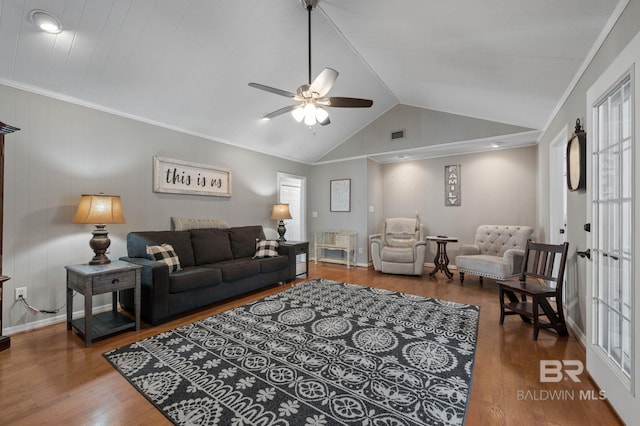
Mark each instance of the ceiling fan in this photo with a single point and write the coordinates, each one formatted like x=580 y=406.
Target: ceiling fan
x=310 y=97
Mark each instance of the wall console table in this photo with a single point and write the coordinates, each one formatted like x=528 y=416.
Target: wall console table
x=345 y=242
x=90 y=280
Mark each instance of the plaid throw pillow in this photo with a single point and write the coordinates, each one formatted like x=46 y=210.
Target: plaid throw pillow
x=164 y=253
x=266 y=248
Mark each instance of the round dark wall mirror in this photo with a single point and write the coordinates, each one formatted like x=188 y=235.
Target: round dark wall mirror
x=577 y=160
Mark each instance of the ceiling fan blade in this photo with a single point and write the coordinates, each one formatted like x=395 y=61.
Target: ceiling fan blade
x=339 y=102
x=279 y=112
x=324 y=82
x=272 y=90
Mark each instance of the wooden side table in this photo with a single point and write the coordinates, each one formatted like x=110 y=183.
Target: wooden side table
x=90 y=280
x=300 y=247
x=5 y=341
x=441 y=261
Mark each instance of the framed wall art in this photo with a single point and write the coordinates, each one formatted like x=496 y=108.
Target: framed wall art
x=183 y=177
x=452 y=185
x=340 y=194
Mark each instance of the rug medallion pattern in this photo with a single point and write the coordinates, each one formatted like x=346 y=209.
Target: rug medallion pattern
x=320 y=353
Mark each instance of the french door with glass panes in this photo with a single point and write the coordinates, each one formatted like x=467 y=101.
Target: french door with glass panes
x=612 y=305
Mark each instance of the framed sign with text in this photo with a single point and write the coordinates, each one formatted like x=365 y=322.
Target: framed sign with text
x=183 y=177
x=452 y=185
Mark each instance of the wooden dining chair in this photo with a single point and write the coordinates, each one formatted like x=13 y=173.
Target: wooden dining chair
x=543 y=266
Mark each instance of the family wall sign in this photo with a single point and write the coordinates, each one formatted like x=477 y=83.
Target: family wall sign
x=452 y=185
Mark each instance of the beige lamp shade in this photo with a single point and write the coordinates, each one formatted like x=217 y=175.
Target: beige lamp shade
x=280 y=212
x=99 y=209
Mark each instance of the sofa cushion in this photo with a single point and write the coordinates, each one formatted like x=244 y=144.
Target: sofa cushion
x=397 y=254
x=401 y=232
x=237 y=269
x=484 y=264
x=194 y=277
x=185 y=223
x=243 y=240
x=266 y=248
x=137 y=243
x=272 y=264
x=210 y=245
x=164 y=253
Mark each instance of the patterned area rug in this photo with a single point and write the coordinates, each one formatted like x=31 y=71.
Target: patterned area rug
x=320 y=353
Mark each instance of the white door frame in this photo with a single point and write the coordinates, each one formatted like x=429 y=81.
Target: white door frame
x=282 y=178
x=623 y=396
x=558 y=192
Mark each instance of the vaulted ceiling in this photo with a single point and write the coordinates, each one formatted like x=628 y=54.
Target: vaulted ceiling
x=186 y=64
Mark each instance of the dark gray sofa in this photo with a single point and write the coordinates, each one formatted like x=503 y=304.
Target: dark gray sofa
x=217 y=264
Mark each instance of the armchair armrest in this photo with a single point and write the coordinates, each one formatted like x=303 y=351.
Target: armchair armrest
x=468 y=249
x=515 y=258
x=419 y=243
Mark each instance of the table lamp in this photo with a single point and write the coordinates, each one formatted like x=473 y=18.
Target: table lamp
x=99 y=210
x=281 y=212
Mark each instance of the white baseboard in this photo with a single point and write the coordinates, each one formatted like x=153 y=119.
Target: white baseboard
x=60 y=317
x=577 y=332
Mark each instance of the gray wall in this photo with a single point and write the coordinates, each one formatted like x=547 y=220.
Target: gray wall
x=574 y=107
x=318 y=196
x=65 y=150
x=423 y=127
x=497 y=187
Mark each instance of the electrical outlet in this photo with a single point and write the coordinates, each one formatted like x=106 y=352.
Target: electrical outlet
x=359 y=250
x=21 y=292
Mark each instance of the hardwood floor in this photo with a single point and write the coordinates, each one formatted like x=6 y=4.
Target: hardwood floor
x=48 y=377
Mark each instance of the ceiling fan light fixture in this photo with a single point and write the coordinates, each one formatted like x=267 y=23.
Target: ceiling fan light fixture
x=45 y=21
x=309 y=114
x=321 y=115
x=298 y=114
x=313 y=94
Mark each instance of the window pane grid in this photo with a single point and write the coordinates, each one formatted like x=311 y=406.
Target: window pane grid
x=612 y=211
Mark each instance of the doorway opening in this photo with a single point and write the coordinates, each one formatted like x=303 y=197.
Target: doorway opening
x=292 y=190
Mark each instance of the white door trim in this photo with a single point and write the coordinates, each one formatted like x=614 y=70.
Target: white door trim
x=623 y=399
x=282 y=178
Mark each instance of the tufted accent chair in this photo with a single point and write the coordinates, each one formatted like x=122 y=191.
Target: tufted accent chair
x=497 y=253
x=400 y=249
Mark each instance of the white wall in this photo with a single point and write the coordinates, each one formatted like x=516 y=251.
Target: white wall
x=65 y=150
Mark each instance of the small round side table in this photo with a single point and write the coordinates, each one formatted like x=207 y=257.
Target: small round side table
x=441 y=261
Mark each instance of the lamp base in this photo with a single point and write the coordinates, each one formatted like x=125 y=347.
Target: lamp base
x=281 y=231
x=100 y=243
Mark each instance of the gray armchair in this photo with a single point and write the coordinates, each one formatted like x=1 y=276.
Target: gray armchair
x=400 y=249
x=497 y=253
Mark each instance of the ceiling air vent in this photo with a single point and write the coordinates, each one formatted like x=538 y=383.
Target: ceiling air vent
x=399 y=134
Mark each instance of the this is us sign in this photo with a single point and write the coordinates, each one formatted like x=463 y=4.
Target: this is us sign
x=182 y=177
x=452 y=185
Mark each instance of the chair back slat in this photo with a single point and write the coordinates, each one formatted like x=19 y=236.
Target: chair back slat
x=540 y=261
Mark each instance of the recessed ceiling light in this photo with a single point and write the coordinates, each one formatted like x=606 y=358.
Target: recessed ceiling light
x=45 y=21
x=402 y=156
x=496 y=144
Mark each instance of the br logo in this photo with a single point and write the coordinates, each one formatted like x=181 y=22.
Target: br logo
x=552 y=370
